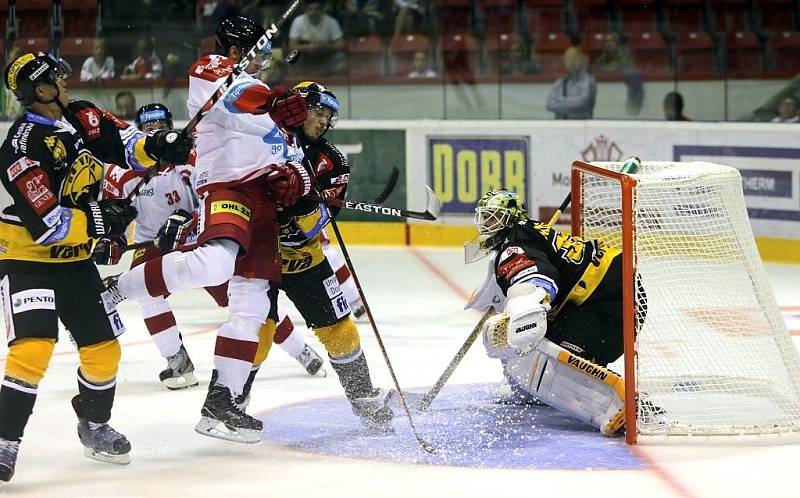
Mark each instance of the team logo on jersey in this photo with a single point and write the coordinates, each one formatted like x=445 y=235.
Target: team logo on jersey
x=20 y=165
x=36 y=188
x=232 y=207
x=511 y=251
x=86 y=173
x=56 y=147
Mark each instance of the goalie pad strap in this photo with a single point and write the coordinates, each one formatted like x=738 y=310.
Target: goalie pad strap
x=578 y=387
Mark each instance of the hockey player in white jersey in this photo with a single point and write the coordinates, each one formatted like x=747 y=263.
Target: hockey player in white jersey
x=246 y=165
x=561 y=319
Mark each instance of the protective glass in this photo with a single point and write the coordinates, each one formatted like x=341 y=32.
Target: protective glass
x=329 y=114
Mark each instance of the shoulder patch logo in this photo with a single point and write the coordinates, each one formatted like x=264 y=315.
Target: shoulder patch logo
x=56 y=147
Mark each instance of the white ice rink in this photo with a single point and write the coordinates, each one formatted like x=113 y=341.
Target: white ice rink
x=417 y=296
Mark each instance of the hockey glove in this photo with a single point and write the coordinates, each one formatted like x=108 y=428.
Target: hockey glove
x=288 y=182
x=108 y=252
x=174 y=231
x=109 y=218
x=172 y=146
x=287 y=108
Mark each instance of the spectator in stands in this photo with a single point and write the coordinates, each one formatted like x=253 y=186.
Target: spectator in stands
x=572 y=96
x=99 y=65
x=517 y=63
x=408 y=17
x=360 y=17
x=147 y=65
x=673 y=107
x=787 y=111
x=126 y=105
x=614 y=57
x=421 y=68
x=319 y=37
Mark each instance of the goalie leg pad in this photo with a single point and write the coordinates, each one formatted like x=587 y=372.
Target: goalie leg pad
x=567 y=382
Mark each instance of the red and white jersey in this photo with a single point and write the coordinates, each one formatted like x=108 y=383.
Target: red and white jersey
x=167 y=191
x=236 y=141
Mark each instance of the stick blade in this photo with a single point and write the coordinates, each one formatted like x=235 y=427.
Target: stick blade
x=434 y=205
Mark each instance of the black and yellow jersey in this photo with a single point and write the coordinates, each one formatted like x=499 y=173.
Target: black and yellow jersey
x=569 y=268
x=52 y=169
x=302 y=223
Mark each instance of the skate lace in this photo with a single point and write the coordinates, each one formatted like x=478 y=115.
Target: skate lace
x=177 y=362
x=103 y=433
x=305 y=356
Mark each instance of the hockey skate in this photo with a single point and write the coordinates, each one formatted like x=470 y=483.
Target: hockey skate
x=374 y=411
x=100 y=441
x=223 y=419
x=179 y=373
x=311 y=362
x=111 y=296
x=8 y=458
x=359 y=311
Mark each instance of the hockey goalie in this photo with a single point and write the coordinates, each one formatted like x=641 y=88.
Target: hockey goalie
x=560 y=323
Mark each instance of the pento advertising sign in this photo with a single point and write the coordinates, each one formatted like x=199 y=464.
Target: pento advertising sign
x=462 y=169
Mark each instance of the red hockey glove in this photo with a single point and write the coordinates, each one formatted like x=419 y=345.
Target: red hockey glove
x=287 y=108
x=288 y=182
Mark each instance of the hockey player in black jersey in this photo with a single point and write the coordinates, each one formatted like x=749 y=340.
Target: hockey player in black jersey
x=561 y=319
x=307 y=277
x=51 y=164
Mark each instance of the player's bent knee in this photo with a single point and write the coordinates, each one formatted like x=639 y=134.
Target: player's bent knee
x=99 y=362
x=28 y=358
x=340 y=339
x=265 y=337
x=582 y=389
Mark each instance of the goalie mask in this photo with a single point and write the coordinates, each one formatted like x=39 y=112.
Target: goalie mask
x=496 y=212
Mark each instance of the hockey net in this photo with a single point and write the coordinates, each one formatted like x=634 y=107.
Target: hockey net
x=707 y=354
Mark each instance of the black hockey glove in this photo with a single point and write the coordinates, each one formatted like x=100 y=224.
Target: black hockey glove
x=108 y=252
x=109 y=218
x=174 y=231
x=172 y=146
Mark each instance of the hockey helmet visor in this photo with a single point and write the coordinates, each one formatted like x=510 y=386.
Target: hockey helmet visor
x=319 y=100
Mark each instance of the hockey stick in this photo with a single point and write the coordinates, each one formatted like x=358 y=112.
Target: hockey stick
x=389 y=188
x=428 y=398
x=430 y=213
x=428 y=447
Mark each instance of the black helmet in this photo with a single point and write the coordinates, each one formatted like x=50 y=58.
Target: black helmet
x=317 y=95
x=153 y=112
x=238 y=31
x=28 y=71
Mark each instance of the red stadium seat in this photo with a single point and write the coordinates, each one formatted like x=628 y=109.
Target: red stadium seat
x=637 y=16
x=402 y=50
x=591 y=16
x=459 y=56
x=365 y=56
x=650 y=53
x=685 y=16
x=76 y=47
x=549 y=50
x=730 y=16
x=34 y=18
x=776 y=16
x=695 y=54
x=743 y=55
x=454 y=16
x=544 y=16
x=499 y=16
x=785 y=48
x=592 y=45
x=497 y=46
x=79 y=5
x=33 y=44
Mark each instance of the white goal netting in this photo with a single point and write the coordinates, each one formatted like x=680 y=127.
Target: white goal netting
x=713 y=356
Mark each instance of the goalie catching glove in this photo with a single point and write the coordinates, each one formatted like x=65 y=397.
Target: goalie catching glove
x=174 y=231
x=289 y=182
x=520 y=328
x=108 y=218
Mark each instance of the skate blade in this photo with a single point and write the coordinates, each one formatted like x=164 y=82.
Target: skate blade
x=319 y=373
x=100 y=456
x=183 y=382
x=214 y=428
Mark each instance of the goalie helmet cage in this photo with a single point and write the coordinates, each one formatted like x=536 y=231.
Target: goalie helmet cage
x=707 y=355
